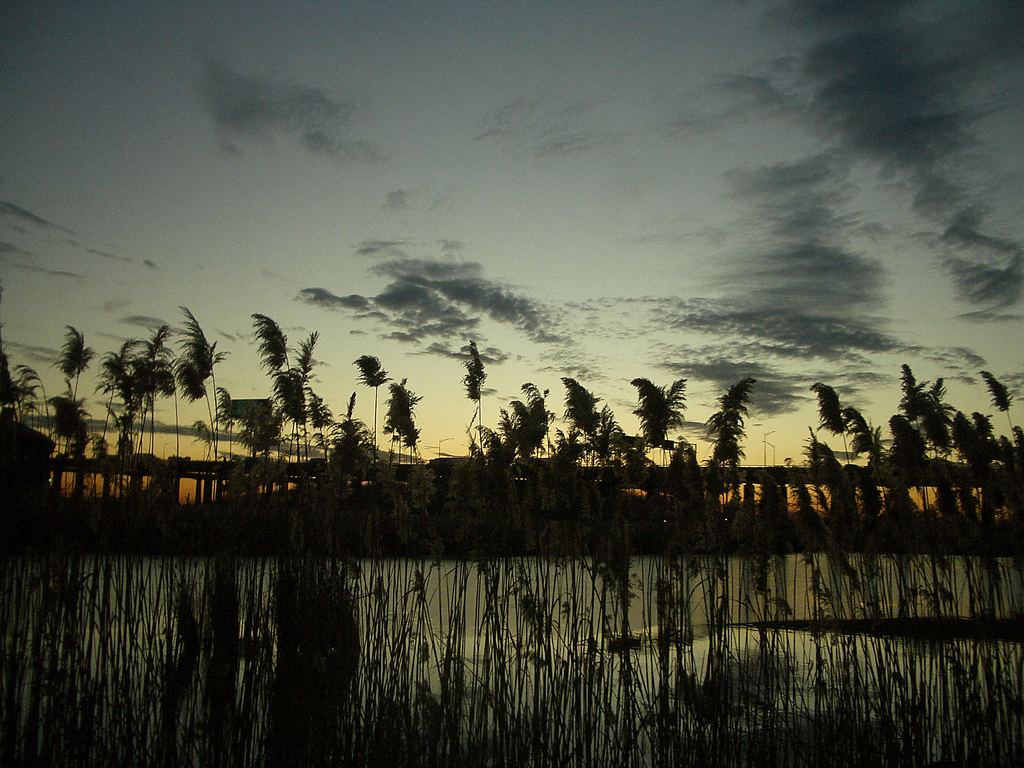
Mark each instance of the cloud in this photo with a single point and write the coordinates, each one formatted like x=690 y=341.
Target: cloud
x=10 y=210
x=459 y=284
x=389 y=248
x=901 y=85
x=776 y=332
x=747 y=96
x=321 y=297
x=396 y=200
x=19 y=258
x=251 y=107
x=47 y=232
x=42 y=355
x=534 y=128
x=994 y=269
x=776 y=392
x=488 y=355
x=429 y=299
x=111 y=256
x=803 y=264
x=143 y=321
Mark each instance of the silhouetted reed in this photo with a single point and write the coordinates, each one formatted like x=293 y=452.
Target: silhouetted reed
x=818 y=659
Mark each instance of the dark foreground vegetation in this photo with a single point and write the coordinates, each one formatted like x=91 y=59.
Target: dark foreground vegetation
x=938 y=480
x=686 y=661
x=555 y=598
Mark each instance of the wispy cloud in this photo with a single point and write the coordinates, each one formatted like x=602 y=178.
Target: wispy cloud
x=430 y=299
x=777 y=332
x=252 y=107
x=142 y=321
x=35 y=354
x=19 y=258
x=16 y=213
x=536 y=128
x=803 y=263
x=896 y=84
x=383 y=248
x=397 y=200
x=488 y=355
x=904 y=86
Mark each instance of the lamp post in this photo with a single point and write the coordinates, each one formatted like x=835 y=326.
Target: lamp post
x=439 y=443
x=764 y=458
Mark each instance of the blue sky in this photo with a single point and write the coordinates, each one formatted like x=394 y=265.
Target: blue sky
x=799 y=191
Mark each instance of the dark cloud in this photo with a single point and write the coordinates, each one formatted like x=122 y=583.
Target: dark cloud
x=488 y=355
x=534 y=128
x=777 y=332
x=143 y=321
x=35 y=354
x=803 y=264
x=748 y=96
x=19 y=258
x=389 y=248
x=248 y=107
x=776 y=392
x=900 y=83
x=429 y=299
x=396 y=200
x=442 y=286
x=993 y=270
x=958 y=362
x=12 y=211
x=324 y=299
x=111 y=256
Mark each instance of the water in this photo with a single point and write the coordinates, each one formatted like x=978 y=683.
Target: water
x=513 y=661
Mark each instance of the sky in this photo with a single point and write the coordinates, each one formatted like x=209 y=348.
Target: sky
x=798 y=191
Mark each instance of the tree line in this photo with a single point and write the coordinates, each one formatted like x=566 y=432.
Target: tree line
x=933 y=456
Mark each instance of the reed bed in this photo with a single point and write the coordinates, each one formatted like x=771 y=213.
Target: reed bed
x=617 y=661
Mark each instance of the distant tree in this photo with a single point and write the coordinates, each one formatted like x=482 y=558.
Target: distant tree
x=581 y=411
x=117 y=378
x=373 y=375
x=866 y=438
x=607 y=437
x=74 y=358
x=154 y=366
x=226 y=414
x=25 y=385
x=474 y=380
x=525 y=425
x=194 y=366
x=8 y=398
x=321 y=421
x=923 y=406
x=1001 y=397
x=726 y=427
x=273 y=347
x=400 y=421
x=69 y=423
x=260 y=429
x=352 y=442
x=659 y=409
x=291 y=383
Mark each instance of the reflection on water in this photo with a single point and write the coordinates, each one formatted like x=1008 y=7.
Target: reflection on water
x=702 y=660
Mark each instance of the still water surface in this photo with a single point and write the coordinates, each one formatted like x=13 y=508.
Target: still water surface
x=636 y=662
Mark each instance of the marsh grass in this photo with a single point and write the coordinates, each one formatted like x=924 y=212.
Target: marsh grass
x=618 y=661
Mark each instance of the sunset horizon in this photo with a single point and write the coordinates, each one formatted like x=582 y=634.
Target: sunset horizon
x=797 y=192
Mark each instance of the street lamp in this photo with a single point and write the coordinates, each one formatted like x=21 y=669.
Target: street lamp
x=764 y=458
x=439 y=442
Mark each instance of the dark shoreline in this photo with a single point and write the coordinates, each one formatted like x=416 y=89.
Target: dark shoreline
x=928 y=628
